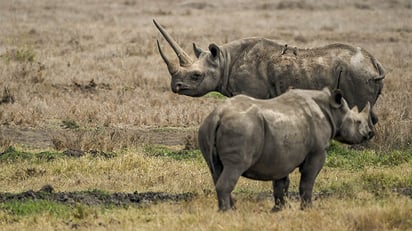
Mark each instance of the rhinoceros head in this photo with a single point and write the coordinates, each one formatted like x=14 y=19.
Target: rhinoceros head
x=354 y=127
x=192 y=78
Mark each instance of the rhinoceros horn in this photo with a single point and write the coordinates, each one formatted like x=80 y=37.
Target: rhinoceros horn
x=184 y=58
x=173 y=68
x=381 y=72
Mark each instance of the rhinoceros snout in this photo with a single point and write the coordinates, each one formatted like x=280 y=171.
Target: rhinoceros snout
x=179 y=86
x=370 y=134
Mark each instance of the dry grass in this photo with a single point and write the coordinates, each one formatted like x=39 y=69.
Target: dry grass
x=129 y=172
x=94 y=64
x=353 y=205
x=52 y=52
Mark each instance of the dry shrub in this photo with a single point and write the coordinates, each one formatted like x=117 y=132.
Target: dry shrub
x=191 y=141
x=393 y=135
x=7 y=96
x=5 y=143
x=22 y=54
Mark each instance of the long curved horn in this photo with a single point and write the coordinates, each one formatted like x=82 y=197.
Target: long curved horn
x=170 y=66
x=184 y=58
x=381 y=72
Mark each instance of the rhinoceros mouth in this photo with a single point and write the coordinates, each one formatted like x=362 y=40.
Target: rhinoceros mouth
x=357 y=140
x=187 y=91
x=181 y=90
x=184 y=91
x=180 y=87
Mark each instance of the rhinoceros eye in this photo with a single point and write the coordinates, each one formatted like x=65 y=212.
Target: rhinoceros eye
x=196 y=75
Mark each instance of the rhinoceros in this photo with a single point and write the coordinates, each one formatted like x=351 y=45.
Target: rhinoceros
x=267 y=139
x=263 y=69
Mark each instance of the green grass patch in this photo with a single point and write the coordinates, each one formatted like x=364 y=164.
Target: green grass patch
x=215 y=95
x=382 y=183
x=12 y=155
x=22 y=54
x=164 y=151
x=20 y=208
x=70 y=124
x=14 y=211
x=342 y=188
x=378 y=181
x=341 y=156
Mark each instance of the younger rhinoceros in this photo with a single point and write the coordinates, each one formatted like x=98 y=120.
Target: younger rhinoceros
x=264 y=69
x=268 y=139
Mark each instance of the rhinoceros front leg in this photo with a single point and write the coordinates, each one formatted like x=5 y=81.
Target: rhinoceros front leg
x=225 y=185
x=309 y=169
x=280 y=190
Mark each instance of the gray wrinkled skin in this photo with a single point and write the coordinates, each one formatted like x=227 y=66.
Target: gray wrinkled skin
x=263 y=69
x=268 y=139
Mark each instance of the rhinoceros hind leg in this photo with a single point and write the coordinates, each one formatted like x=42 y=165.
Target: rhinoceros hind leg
x=217 y=171
x=225 y=185
x=218 y=167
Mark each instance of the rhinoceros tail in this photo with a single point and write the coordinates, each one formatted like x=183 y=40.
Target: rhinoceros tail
x=213 y=156
x=207 y=140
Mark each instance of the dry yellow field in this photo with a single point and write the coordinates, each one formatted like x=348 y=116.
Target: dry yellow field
x=96 y=63
x=87 y=75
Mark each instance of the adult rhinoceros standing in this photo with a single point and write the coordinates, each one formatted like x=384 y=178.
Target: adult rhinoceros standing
x=263 y=69
x=268 y=139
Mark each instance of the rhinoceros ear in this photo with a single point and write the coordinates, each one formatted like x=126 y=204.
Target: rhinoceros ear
x=345 y=106
x=336 y=98
x=197 y=50
x=326 y=90
x=367 y=108
x=355 y=109
x=214 y=50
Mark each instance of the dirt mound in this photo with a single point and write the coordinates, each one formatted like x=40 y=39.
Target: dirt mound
x=96 y=197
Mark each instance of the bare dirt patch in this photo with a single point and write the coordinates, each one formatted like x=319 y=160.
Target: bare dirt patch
x=123 y=199
x=96 y=197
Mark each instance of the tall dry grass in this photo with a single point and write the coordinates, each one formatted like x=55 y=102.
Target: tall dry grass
x=96 y=63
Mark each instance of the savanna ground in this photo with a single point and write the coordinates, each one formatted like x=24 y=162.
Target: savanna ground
x=91 y=137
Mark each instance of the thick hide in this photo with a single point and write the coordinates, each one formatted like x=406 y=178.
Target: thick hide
x=264 y=69
x=268 y=139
